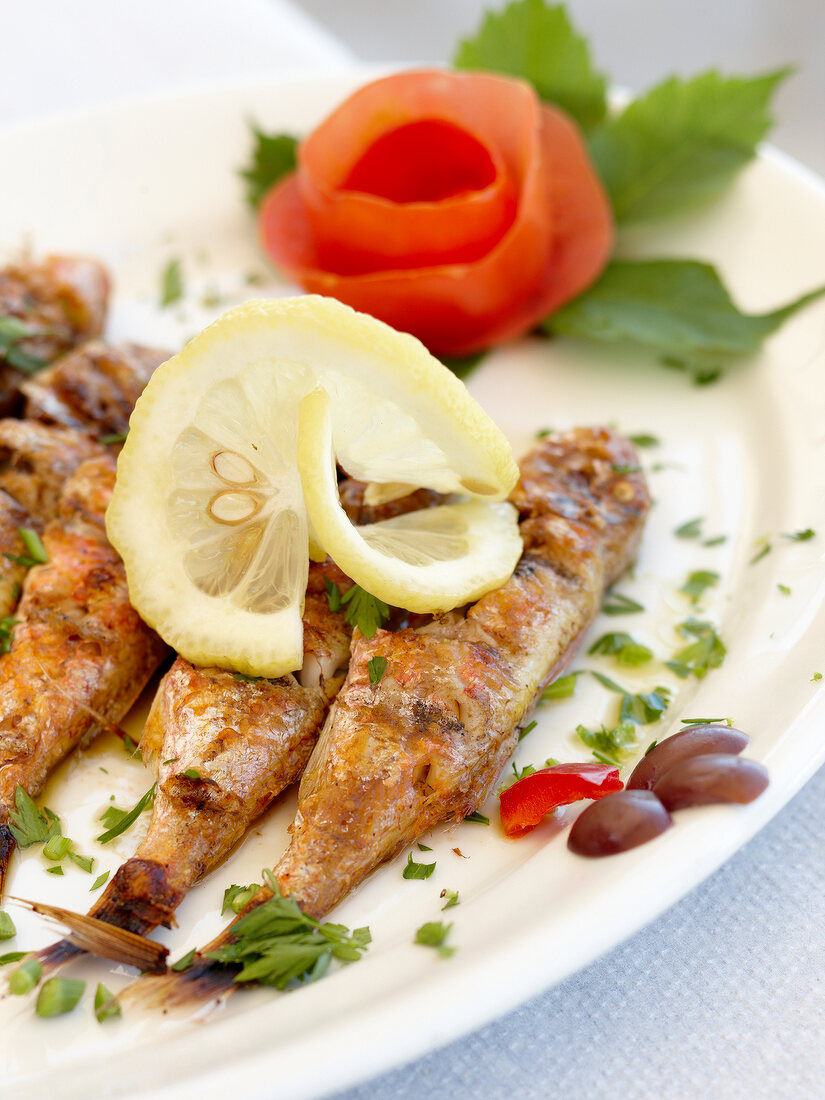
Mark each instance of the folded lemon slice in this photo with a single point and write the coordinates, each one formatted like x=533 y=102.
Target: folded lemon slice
x=209 y=511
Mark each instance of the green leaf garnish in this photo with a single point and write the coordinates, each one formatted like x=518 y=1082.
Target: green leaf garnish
x=12 y=957
x=30 y=825
x=562 y=688
x=190 y=773
x=642 y=708
x=625 y=649
x=12 y=332
x=99 y=881
x=527 y=729
x=801 y=536
x=58 y=996
x=676 y=307
x=377 y=667
x=235 y=897
x=127 y=818
x=616 y=604
x=816 y=676
x=706 y=652
x=277 y=943
x=84 y=862
x=364 y=611
x=171 y=284
x=690 y=530
x=536 y=42
x=610 y=746
x=333 y=594
x=417 y=870
x=185 y=961
x=477 y=818
x=681 y=142
x=698 y=583
x=7 y=929
x=7 y=625
x=273 y=156
x=644 y=439
x=106 y=1008
x=434 y=934
x=452 y=899
x=56 y=870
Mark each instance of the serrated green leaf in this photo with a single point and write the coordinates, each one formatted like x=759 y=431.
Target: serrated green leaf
x=676 y=307
x=681 y=142
x=273 y=155
x=534 y=41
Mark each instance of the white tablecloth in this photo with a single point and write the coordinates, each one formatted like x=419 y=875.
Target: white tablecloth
x=724 y=996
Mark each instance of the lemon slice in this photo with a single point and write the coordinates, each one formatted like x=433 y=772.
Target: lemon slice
x=208 y=511
x=431 y=560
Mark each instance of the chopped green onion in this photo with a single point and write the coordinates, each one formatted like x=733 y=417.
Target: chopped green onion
x=7 y=929
x=58 y=996
x=105 y=1006
x=25 y=977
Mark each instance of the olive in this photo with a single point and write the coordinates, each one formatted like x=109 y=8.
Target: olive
x=617 y=823
x=693 y=741
x=712 y=777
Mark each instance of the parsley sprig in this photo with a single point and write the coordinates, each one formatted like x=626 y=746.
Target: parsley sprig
x=363 y=610
x=118 y=821
x=13 y=332
x=277 y=944
x=29 y=826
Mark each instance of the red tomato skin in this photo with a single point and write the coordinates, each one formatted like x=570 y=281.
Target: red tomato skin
x=428 y=267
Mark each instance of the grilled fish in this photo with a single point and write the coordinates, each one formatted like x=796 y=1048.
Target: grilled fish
x=79 y=655
x=427 y=742
x=61 y=301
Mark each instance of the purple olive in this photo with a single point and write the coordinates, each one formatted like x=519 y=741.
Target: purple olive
x=617 y=823
x=694 y=741
x=713 y=777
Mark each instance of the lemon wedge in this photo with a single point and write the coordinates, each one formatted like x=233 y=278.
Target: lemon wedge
x=228 y=478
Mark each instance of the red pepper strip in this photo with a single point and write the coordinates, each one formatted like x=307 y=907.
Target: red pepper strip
x=530 y=799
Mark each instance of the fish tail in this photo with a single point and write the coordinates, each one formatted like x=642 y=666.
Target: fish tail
x=7 y=846
x=139 y=897
x=203 y=982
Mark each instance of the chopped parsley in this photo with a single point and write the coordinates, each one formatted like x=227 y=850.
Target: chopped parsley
x=30 y=825
x=783 y=588
x=365 y=611
x=642 y=708
x=716 y=540
x=424 y=847
x=625 y=649
x=7 y=929
x=278 y=944
x=185 y=961
x=616 y=604
x=129 y=745
x=452 y=899
x=171 y=284
x=763 y=551
x=56 y=870
x=124 y=818
x=99 y=881
x=434 y=934
x=273 y=156
x=801 y=536
x=690 y=530
x=698 y=583
x=333 y=594
x=610 y=746
x=7 y=625
x=35 y=550
x=651 y=747
x=707 y=651
x=190 y=773
x=644 y=439
x=562 y=688
x=816 y=676
x=524 y=730
x=105 y=1006
x=377 y=667
x=235 y=897
x=417 y=870
x=477 y=818
x=13 y=332
x=624 y=468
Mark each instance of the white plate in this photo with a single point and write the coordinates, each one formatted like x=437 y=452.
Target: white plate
x=139 y=184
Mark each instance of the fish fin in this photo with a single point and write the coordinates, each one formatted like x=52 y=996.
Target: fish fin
x=105 y=940
x=204 y=982
x=7 y=846
x=55 y=956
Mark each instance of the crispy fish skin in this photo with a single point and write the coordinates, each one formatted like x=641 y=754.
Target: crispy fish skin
x=247 y=740
x=80 y=654
x=427 y=743
x=94 y=388
x=37 y=459
x=63 y=298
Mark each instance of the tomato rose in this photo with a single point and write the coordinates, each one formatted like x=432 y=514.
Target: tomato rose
x=455 y=206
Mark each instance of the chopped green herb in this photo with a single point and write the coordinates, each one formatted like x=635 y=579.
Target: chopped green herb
x=542 y=433
x=12 y=957
x=112 y=816
x=56 y=870
x=171 y=760
x=185 y=961
x=377 y=667
x=99 y=881
x=706 y=652
x=706 y=721
x=610 y=746
x=171 y=284
x=129 y=745
x=651 y=747
x=643 y=708
x=58 y=996
x=25 y=977
x=692 y=529
x=7 y=625
x=477 y=818
x=106 y=1008
x=625 y=649
x=7 y=929
x=616 y=604
x=114 y=437
x=452 y=899
x=211 y=297
x=364 y=611
x=424 y=847
x=30 y=825
x=333 y=594
x=57 y=848
x=527 y=729
x=277 y=943
x=235 y=897
x=34 y=547
x=717 y=540
x=417 y=870
x=85 y=862
x=273 y=156
x=562 y=688
x=762 y=552
x=783 y=588
x=816 y=676
x=434 y=934
x=528 y=769
x=801 y=536
x=190 y=773
x=643 y=439
x=12 y=332
x=129 y=818
x=537 y=42
x=698 y=583
x=624 y=468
